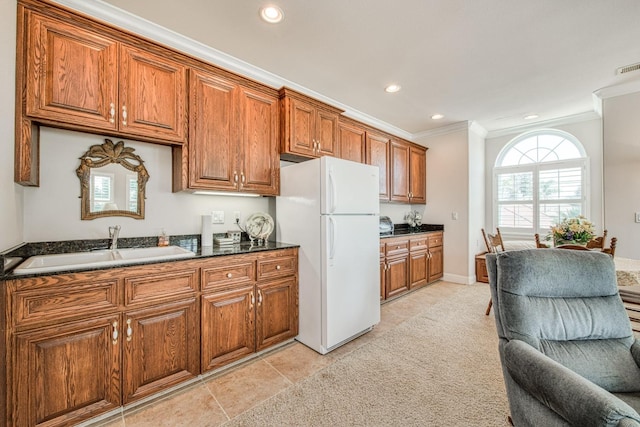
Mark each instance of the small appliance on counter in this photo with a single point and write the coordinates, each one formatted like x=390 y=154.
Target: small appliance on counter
x=386 y=226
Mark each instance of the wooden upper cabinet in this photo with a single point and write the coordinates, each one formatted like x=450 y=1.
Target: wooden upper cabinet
x=71 y=74
x=326 y=133
x=377 y=152
x=93 y=82
x=418 y=174
x=153 y=95
x=259 y=164
x=351 y=142
x=408 y=172
x=233 y=138
x=399 y=155
x=210 y=156
x=309 y=128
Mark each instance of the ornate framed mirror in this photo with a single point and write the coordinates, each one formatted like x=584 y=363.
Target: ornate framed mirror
x=112 y=182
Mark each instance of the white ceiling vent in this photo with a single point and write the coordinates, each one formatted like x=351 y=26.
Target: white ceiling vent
x=628 y=68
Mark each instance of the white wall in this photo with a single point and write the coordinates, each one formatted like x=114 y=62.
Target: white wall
x=477 y=196
x=52 y=211
x=622 y=172
x=589 y=133
x=10 y=194
x=448 y=192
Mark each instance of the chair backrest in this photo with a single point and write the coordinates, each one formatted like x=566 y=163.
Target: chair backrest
x=493 y=242
x=611 y=250
x=566 y=305
x=597 y=242
x=538 y=243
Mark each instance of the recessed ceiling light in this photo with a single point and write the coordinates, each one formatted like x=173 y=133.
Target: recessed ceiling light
x=392 y=88
x=437 y=116
x=271 y=14
x=531 y=116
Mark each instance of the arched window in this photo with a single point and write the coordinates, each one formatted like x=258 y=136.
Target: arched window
x=539 y=178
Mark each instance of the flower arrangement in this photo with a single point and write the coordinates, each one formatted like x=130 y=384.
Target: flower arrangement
x=573 y=230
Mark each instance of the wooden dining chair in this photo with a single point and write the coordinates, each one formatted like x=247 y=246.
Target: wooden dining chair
x=611 y=250
x=597 y=242
x=494 y=244
x=538 y=243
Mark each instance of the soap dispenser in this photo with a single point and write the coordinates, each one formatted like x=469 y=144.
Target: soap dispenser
x=163 y=239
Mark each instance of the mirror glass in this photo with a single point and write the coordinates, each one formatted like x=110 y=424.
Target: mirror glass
x=112 y=181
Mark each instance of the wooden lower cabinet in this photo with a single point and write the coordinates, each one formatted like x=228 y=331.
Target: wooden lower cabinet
x=228 y=326
x=397 y=276
x=160 y=348
x=409 y=262
x=63 y=374
x=118 y=335
x=247 y=313
x=276 y=312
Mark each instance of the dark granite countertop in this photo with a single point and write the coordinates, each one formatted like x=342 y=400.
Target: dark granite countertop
x=404 y=229
x=189 y=242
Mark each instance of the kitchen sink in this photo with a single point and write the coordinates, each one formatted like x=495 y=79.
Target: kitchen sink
x=94 y=259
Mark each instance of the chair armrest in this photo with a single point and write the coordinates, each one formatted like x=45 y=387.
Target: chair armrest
x=635 y=352
x=574 y=398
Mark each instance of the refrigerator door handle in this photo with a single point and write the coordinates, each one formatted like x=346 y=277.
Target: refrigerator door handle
x=332 y=238
x=333 y=195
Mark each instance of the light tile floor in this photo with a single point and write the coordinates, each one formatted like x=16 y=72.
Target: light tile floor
x=214 y=400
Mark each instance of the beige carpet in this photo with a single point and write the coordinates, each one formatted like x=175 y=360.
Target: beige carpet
x=438 y=368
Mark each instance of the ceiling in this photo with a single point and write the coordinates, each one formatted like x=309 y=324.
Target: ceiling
x=489 y=61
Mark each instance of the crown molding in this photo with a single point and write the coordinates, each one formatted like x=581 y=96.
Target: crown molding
x=575 y=118
x=443 y=130
x=145 y=28
x=476 y=128
x=617 y=90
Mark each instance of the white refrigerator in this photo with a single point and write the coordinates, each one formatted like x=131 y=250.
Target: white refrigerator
x=330 y=207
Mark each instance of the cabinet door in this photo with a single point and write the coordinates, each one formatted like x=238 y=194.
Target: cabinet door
x=65 y=374
x=377 y=150
x=399 y=154
x=302 y=128
x=153 y=95
x=397 y=276
x=418 y=175
x=276 y=312
x=260 y=164
x=351 y=142
x=436 y=263
x=228 y=326
x=212 y=148
x=383 y=277
x=160 y=348
x=326 y=133
x=418 y=269
x=71 y=74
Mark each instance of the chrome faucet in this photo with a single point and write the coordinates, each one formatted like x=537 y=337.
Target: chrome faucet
x=114 y=232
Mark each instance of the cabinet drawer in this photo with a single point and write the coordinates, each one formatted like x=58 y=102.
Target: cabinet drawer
x=164 y=286
x=228 y=273
x=435 y=239
x=280 y=266
x=418 y=244
x=397 y=247
x=61 y=303
x=382 y=246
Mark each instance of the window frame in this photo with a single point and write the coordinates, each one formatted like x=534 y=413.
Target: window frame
x=535 y=168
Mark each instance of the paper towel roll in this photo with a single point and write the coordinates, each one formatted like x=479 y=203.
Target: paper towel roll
x=207 y=234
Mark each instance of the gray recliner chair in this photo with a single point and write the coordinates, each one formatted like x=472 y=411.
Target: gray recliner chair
x=568 y=354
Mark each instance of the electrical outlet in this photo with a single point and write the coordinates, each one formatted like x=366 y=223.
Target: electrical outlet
x=217 y=217
x=454 y=216
x=637 y=216
x=236 y=216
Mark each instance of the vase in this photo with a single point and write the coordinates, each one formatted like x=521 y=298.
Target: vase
x=558 y=242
